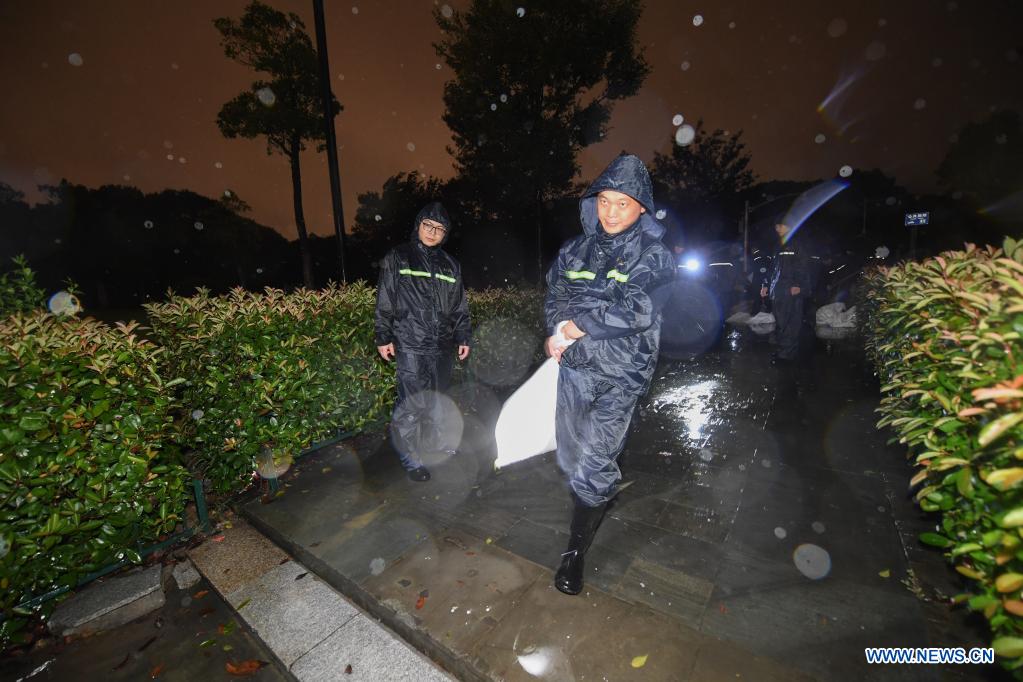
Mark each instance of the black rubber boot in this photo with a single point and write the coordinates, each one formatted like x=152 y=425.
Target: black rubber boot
x=419 y=474
x=569 y=578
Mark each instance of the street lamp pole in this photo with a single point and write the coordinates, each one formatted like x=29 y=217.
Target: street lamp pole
x=328 y=123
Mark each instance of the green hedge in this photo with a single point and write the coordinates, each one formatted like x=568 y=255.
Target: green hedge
x=270 y=373
x=18 y=290
x=945 y=336
x=88 y=465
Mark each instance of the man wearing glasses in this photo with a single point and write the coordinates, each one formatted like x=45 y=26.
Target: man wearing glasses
x=421 y=315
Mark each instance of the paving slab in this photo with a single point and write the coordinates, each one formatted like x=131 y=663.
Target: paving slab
x=236 y=558
x=109 y=603
x=363 y=650
x=291 y=610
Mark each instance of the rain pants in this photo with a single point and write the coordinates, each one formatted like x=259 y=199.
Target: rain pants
x=613 y=287
x=422 y=309
x=790 y=268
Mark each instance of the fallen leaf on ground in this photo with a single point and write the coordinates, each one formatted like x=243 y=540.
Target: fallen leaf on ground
x=122 y=663
x=301 y=575
x=200 y=594
x=245 y=667
x=885 y=573
x=348 y=669
x=155 y=672
x=228 y=647
x=639 y=661
x=325 y=470
x=148 y=642
x=421 y=602
x=244 y=604
x=217 y=538
x=207 y=643
x=284 y=561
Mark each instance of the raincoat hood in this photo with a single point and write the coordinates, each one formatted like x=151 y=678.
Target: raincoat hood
x=433 y=211
x=628 y=175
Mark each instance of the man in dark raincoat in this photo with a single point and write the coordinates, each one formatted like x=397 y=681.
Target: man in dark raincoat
x=608 y=287
x=421 y=316
x=788 y=284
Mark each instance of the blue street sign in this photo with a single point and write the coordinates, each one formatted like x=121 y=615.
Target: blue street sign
x=917 y=218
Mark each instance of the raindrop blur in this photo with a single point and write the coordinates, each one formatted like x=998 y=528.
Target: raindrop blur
x=882 y=22
x=218 y=165
x=731 y=24
x=259 y=271
x=355 y=10
x=227 y=193
x=177 y=251
x=168 y=144
x=170 y=157
x=493 y=107
x=936 y=62
x=126 y=177
x=660 y=214
x=685 y=66
x=197 y=414
x=818 y=527
x=819 y=139
x=181 y=159
x=520 y=12
x=780 y=533
x=837 y=27
x=148 y=224
x=411 y=146
x=340 y=76
x=198 y=226
x=875 y=51
x=437 y=66
x=378 y=217
x=812 y=561
x=698 y=20
x=706 y=455
x=684 y=135
x=446 y=11
x=503 y=98
x=845 y=171
x=63 y=303
x=920 y=103
x=75 y=59
x=266 y=96
x=174 y=65
x=677 y=120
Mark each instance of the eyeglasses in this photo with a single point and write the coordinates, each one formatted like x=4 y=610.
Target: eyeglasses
x=432 y=228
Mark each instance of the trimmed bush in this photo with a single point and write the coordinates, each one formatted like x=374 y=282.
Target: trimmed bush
x=18 y=290
x=945 y=336
x=88 y=465
x=270 y=373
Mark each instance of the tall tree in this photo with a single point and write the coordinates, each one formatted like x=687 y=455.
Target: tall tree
x=532 y=87
x=703 y=179
x=985 y=162
x=286 y=108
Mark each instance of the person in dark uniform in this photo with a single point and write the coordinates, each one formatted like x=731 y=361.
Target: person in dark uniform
x=421 y=316
x=605 y=291
x=787 y=284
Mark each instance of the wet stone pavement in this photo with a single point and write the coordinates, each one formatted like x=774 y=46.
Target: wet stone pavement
x=765 y=533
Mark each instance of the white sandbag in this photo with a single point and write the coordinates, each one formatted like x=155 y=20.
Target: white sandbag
x=525 y=427
x=835 y=315
x=739 y=318
x=761 y=318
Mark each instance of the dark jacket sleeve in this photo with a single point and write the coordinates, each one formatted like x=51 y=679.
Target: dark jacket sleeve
x=462 y=323
x=637 y=302
x=387 y=287
x=556 y=301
